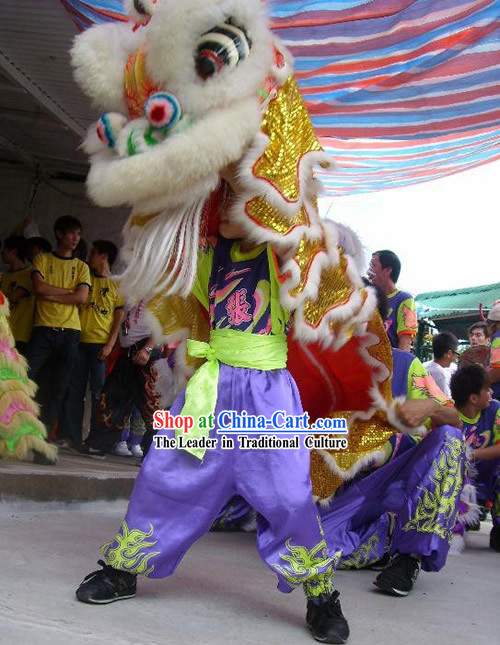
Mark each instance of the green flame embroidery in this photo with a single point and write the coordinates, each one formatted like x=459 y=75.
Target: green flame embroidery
x=311 y=567
x=365 y=555
x=437 y=509
x=130 y=551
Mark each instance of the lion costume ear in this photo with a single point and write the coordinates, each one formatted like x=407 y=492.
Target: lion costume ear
x=141 y=11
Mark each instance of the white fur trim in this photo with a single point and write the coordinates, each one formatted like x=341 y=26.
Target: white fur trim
x=98 y=56
x=169 y=265
x=390 y=411
x=350 y=242
x=282 y=73
x=457 y=544
x=472 y=515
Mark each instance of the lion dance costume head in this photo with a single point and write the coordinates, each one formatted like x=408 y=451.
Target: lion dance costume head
x=186 y=91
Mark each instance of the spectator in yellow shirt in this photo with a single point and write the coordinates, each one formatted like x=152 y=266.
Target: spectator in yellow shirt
x=100 y=318
x=61 y=283
x=16 y=285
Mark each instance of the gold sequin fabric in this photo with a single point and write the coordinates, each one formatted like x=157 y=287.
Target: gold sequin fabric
x=365 y=438
x=334 y=291
x=265 y=216
x=291 y=135
x=174 y=314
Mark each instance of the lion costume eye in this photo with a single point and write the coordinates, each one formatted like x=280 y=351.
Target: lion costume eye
x=223 y=46
x=140 y=8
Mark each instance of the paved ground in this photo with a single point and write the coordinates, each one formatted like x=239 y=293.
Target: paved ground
x=221 y=592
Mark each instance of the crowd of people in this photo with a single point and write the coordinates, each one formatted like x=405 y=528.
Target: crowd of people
x=71 y=325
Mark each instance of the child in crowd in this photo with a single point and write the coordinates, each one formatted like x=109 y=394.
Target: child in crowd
x=130 y=384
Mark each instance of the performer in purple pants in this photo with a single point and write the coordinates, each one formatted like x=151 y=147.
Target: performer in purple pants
x=401 y=513
x=177 y=495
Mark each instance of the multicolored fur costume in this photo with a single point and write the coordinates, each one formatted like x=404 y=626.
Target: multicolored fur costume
x=22 y=434
x=199 y=87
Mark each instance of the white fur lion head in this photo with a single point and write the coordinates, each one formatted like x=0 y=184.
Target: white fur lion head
x=202 y=65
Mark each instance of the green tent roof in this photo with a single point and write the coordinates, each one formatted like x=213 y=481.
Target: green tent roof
x=457 y=303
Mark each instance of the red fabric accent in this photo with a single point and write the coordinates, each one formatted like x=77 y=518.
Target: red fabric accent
x=112 y=358
x=210 y=221
x=340 y=383
x=53 y=431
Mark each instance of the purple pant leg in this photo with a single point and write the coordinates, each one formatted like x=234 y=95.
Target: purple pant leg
x=420 y=490
x=176 y=497
x=290 y=539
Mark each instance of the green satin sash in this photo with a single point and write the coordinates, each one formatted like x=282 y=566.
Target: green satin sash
x=234 y=348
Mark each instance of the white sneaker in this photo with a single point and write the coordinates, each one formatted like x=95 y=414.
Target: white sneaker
x=121 y=450
x=136 y=451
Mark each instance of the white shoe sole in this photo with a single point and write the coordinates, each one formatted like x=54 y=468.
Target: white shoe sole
x=105 y=602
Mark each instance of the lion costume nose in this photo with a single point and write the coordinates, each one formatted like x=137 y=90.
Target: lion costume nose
x=162 y=110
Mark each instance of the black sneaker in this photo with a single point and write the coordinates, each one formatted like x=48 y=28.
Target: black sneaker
x=381 y=564
x=85 y=449
x=398 y=579
x=326 y=620
x=495 y=537
x=483 y=513
x=106 y=585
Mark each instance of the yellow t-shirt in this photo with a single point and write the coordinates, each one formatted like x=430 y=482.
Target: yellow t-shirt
x=21 y=313
x=66 y=273
x=96 y=315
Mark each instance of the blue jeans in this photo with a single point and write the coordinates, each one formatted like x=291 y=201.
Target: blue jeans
x=57 y=349
x=87 y=365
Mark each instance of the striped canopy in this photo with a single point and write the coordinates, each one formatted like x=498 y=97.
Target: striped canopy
x=399 y=91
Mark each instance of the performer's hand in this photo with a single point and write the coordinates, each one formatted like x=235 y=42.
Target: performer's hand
x=141 y=358
x=414 y=413
x=105 y=352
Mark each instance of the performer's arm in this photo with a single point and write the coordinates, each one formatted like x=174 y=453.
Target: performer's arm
x=487 y=454
x=414 y=413
x=406 y=324
x=43 y=289
x=113 y=334
x=494 y=374
x=76 y=297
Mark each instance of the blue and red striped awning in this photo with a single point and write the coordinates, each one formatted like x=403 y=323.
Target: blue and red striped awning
x=399 y=91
